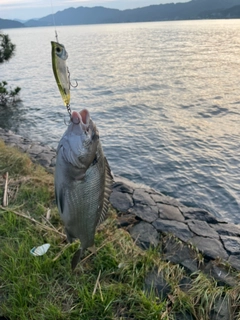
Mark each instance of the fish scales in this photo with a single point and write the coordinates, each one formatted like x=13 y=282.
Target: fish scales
x=82 y=181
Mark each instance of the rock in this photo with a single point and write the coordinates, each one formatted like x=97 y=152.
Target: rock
x=179 y=229
x=220 y=274
x=158 y=197
x=170 y=212
x=231 y=244
x=145 y=235
x=155 y=282
x=36 y=149
x=129 y=183
x=140 y=196
x=122 y=187
x=234 y=261
x=201 y=228
x=182 y=254
x=221 y=309
x=198 y=214
x=228 y=229
x=146 y=213
x=185 y=284
x=121 y=201
x=210 y=247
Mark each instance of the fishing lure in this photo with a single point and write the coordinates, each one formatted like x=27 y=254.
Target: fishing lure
x=61 y=72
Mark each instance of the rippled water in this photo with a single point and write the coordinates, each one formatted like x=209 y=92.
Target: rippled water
x=165 y=97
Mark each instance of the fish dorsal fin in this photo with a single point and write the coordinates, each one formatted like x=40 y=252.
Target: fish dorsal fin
x=107 y=191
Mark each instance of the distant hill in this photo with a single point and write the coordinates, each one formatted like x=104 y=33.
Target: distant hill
x=194 y=9
x=173 y=11
x=230 y=13
x=6 y=24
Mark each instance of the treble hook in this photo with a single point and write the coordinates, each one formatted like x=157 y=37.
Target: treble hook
x=70 y=80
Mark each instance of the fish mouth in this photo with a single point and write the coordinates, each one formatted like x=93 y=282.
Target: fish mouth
x=81 y=118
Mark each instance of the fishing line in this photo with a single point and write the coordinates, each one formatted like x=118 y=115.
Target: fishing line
x=53 y=16
x=68 y=72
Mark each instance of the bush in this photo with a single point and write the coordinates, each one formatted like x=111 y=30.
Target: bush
x=7 y=50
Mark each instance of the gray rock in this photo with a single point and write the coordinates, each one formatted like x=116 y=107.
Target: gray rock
x=143 y=197
x=146 y=213
x=179 y=229
x=170 y=212
x=155 y=282
x=198 y=214
x=228 y=229
x=161 y=198
x=202 y=228
x=212 y=248
x=121 y=201
x=145 y=235
x=185 y=284
x=36 y=149
x=234 y=261
x=222 y=309
x=129 y=183
x=220 y=274
x=122 y=187
x=182 y=254
x=231 y=244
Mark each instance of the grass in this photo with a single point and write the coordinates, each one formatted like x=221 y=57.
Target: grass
x=108 y=285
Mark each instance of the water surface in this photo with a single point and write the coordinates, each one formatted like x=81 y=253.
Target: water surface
x=164 y=95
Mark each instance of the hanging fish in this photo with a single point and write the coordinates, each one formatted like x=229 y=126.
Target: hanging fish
x=60 y=70
x=82 y=181
x=41 y=250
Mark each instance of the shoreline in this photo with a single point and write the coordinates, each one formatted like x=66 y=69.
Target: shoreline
x=150 y=217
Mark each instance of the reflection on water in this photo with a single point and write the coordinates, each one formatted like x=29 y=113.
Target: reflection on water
x=164 y=95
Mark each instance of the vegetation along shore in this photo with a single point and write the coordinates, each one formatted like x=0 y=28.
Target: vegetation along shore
x=156 y=259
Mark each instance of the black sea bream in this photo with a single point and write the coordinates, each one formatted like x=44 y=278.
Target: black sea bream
x=82 y=181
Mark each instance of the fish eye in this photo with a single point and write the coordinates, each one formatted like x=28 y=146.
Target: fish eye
x=58 y=50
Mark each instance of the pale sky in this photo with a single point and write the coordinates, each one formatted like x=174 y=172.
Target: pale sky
x=28 y=9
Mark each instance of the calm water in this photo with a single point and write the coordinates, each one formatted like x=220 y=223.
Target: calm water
x=165 y=97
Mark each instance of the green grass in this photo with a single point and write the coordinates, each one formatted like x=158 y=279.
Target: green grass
x=106 y=285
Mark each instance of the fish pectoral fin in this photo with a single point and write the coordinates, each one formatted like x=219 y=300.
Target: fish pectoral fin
x=93 y=249
x=76 y=258
x=80 y=175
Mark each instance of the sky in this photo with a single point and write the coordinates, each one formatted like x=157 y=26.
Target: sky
x=29 y=9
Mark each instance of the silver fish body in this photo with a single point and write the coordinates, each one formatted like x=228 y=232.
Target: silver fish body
x=82 y=181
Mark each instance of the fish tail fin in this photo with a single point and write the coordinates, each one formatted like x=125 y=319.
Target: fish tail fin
x=76 y=258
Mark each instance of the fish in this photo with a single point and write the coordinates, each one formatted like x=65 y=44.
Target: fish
x=82 y=180
x=60 y=70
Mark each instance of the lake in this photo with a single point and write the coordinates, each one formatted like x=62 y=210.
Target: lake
x=165 y=97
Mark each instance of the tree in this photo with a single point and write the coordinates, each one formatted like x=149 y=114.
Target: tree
x=7 y=50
